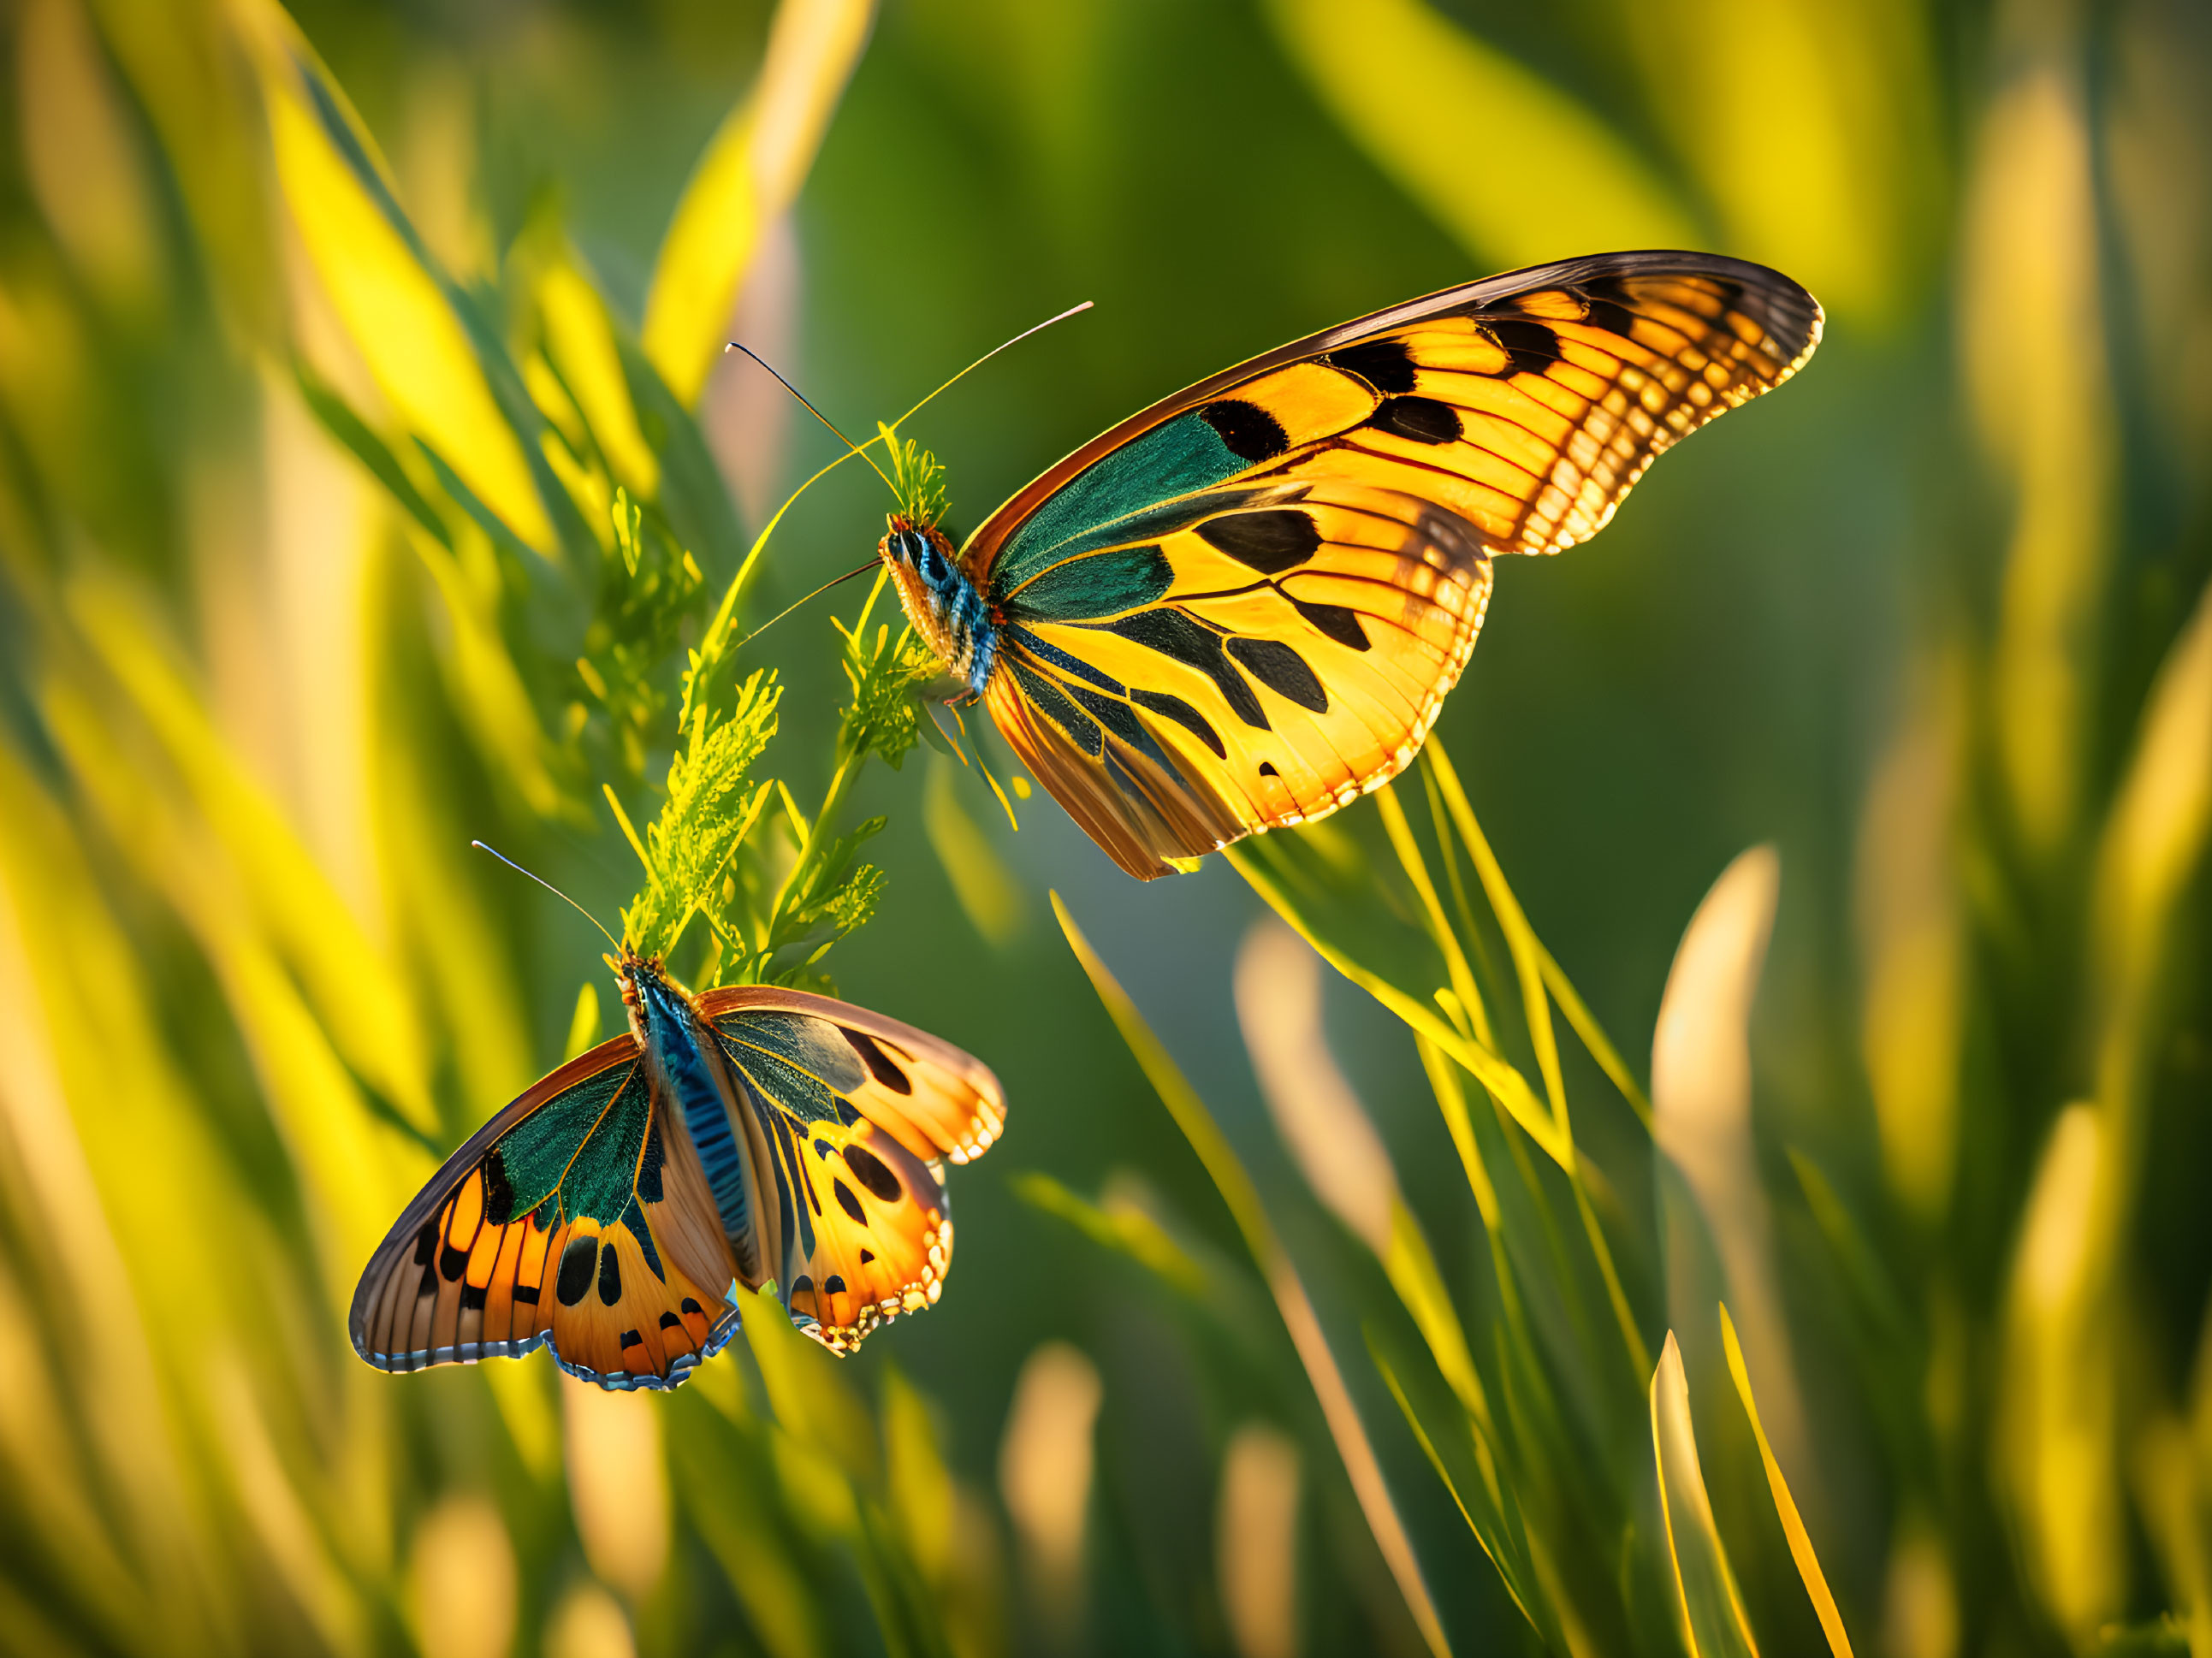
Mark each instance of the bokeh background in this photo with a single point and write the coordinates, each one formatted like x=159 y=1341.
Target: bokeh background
x=1928 y=627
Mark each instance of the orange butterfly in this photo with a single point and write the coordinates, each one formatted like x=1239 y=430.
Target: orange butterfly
x=1242 y=607
x=748 y=1133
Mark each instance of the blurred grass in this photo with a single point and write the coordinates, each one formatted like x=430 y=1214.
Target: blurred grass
x=327 y=342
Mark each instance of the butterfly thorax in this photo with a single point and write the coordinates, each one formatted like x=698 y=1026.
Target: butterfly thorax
x=947 y=609
x=676 y=1039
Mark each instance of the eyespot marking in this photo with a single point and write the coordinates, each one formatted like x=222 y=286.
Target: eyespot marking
x=868 y=1168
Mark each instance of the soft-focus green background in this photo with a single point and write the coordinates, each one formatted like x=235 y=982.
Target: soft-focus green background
x=1922 y=621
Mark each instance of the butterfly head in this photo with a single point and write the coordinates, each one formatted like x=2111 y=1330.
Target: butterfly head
x=636 y=973
x=946 y=608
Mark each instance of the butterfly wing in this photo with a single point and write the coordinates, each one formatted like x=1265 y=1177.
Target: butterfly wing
x=858 y=1112
x=562 y=1221
x=1242 y=607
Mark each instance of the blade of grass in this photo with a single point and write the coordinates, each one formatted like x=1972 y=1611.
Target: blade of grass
x=1521 y=938
x=1486 y=1529
x=1713 y=1624
x=397 y=312
x=1396 y=73
x=1785 y=1506
x=1506 y=1085
x=747 y=177
x=1227 y=1172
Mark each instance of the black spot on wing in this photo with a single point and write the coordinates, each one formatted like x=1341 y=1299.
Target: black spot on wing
x=473 y=1296
x=1606 y=314
x=634 y=1217
x=526 y=1294
x=1268 y=769
x=575 y=1274
x=833 y=1285
x=788 y=1170
x=609 y=1274
x=880 y=1065
x=866 y=1255
x=452 y=1262
x=670 y=1322
x=1386 y=364
x=1174 y=636
x=499 y=1191
x=1419 y=420
x=631 y=1339
x=691 y=1306
x=426 y=1243
x=1272 y=540
x=847 y=1201
x=801 y=1285
x=1530 y=348
x=429 y=1285
x=1337 y=622
x=868 y=1168
x=1247 y=430
x=1282 y=670
x=1184 y=715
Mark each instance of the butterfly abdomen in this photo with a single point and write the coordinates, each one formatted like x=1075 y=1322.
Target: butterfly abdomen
x=946 y=608
x=670 y=1035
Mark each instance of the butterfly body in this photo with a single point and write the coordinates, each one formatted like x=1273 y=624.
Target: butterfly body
x=674 y=1038
x=744 y=1135
x=947 y=609
x=1241 y=608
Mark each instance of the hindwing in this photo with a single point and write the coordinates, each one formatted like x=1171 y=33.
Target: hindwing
x=1242 y=607
x=858 y=1113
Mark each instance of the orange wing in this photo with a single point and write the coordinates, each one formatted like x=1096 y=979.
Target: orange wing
x=562 y=1221
x=858 y=1111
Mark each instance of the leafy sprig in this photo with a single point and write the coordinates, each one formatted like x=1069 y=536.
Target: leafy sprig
x=647 y=586
x=770 y=906
x=711 y=808
x=917 y=479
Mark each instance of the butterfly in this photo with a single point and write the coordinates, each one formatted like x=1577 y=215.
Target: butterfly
x=1242 y=607
x=746 y=1135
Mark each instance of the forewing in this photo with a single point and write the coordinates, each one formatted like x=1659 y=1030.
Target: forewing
x=1242 y=607
x=562 y=1221
x=857 y=1111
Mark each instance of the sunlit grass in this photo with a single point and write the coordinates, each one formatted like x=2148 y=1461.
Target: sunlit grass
x=1958 y=1398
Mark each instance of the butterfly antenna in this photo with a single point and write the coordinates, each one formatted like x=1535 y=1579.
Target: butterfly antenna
x=550 y=888
x=859 y=449
x=1071 y=310
x=858 y=569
